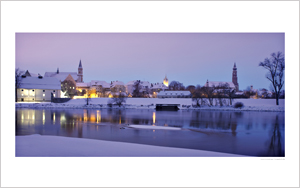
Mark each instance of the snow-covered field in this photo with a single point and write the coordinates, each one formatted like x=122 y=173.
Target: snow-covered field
x=149 y=103
x=55 y=146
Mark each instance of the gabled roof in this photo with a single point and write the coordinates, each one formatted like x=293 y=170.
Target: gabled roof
x=40 y=83
x=211 y=84
x=104 y=84
x=115 y=83
x=61 y=76
x=159 y=86
x=83 y=84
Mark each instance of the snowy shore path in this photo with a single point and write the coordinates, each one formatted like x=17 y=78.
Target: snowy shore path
x=56 y=146
x=149 y=103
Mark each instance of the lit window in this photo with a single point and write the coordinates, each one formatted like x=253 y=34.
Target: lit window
x=43 y=95
x=53 y=95
x=73 y=87
x=22 y=94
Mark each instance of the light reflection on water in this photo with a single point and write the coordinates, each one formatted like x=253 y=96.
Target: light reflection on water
x=249 y=133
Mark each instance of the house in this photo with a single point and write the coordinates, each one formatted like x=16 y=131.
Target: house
x=174 y=94
x=233 y=85
x=144 y=87
x=61 y=76
x=38 y=89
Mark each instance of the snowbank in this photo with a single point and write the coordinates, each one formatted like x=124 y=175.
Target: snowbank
x=150 y=103
x=55 y=146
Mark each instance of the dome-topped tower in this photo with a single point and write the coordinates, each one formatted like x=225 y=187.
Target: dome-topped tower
x=166 y=81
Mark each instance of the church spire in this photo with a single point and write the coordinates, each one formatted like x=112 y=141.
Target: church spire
x=80 y=66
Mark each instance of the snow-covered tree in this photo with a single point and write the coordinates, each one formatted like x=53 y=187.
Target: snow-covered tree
x=275 y=66
x=136 y=89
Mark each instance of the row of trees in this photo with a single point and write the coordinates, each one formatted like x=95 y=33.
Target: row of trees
x=217 y=95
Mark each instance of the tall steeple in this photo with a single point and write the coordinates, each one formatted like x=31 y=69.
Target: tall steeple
x=234 y=77
x=80 y=72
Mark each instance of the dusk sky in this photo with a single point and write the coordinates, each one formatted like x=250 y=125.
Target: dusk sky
x=190 y=58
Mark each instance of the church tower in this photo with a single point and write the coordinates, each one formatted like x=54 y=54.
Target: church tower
x=166 y=81
x=234 y=77
x=80 y=73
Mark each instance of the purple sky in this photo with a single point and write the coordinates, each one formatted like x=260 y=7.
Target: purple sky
x=190 y=58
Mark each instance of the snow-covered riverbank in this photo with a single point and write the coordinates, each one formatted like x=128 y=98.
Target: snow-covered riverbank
x=149 y=103
x=56 y=146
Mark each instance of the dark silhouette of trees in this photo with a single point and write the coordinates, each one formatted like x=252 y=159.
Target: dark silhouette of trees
x=175 y=85
x=198 y=96
x=69 y=87
x=275 y=66
x=136 y=89
x=119 y=100
x=18 y=80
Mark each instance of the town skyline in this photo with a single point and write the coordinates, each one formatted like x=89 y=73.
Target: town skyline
x=190 y=58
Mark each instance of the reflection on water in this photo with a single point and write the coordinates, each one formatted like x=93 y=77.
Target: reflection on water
x=248 y=133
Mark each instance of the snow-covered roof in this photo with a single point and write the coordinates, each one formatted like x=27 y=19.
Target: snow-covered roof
x=163 y=93
x=104 y=84
x=40 y=83
x=88 y=84
x=239 y=93
x=143 y=83
x=131 y=82
x=159 y=86
x=61 y=76
x=211 y=84
x=115 y=83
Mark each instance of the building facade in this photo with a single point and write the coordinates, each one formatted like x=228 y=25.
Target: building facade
x=38 y=89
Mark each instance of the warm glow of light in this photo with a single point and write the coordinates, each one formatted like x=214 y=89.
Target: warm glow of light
x=93 y=95
x=110 y=96
x=62 y=118
x=53 y=118
x=98 y=116
x=43 y=95
x=85 y=117
x=154 y=116
x=43 y=117
x=120 y=120
x=166 y=83
x=93 y=117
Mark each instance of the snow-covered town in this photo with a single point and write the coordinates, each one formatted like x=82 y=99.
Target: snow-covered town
x=152 y=112
x=67 y=90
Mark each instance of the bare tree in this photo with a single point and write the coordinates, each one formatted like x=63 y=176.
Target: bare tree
x=88 y=96
x=18 y=80
x=275 y=66
x=118 y=99
x=209 y=94
x=175 y=85
x=198 y=96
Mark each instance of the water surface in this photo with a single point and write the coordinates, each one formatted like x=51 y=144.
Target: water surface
x=244 y=133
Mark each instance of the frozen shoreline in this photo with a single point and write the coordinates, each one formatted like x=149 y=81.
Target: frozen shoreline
x=149 y=103
x=56 y=146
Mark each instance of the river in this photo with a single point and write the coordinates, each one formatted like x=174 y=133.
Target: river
x=245 y=133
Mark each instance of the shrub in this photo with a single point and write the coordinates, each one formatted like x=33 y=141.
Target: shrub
x=238 y=105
